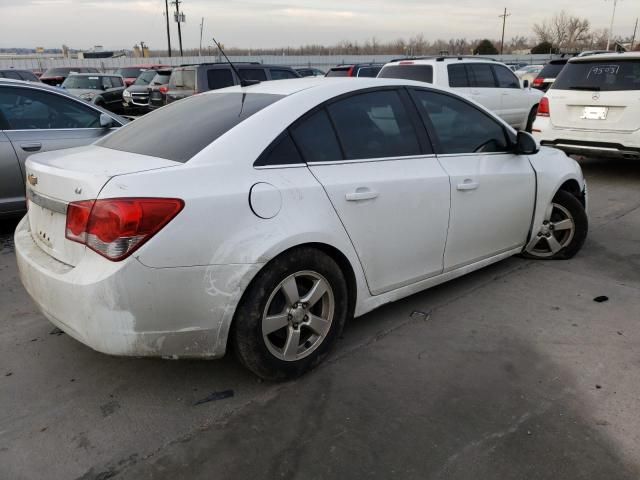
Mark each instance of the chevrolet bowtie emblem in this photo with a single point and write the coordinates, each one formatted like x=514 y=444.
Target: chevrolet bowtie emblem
x=32 y=179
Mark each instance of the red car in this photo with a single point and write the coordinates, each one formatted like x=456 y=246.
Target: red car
x=131 y=72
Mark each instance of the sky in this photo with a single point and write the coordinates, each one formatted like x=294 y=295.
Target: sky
x=117 y=24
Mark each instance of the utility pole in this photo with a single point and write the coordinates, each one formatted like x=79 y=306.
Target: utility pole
x=201 y=27
x=504 y=23
x=613 y=16
x=166 y=14
x=178 y=19
x=633 y=39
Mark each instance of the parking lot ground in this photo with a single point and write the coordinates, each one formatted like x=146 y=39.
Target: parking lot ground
x=511 y=372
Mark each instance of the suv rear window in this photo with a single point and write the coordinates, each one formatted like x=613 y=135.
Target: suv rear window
x=339 y=72
x=182 y=129
x=552 y=69
x=602 y=75
x=182 y=80
x=421 y=73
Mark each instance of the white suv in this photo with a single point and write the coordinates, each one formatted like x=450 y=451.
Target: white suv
x=594 y=107
x=490 y=83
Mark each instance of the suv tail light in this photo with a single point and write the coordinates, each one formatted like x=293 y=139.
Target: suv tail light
x=351 y=72
x=117 y=227
x=163 y=89
x=538 y=81
x=543 y=108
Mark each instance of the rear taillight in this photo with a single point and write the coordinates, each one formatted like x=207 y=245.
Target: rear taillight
x=543 y=108
x=538 y=81
x=163 y=90
x=116 y=227
x=351 y=72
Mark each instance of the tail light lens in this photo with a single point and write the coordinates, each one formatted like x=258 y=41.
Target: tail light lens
x=351 y=72
x=117 y=227
x=163 y=90
x=543 y=108
x=538 y=81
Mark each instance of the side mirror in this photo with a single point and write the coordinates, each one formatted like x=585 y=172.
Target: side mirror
x=525 y=84
x=106 y=121
x=526 y=144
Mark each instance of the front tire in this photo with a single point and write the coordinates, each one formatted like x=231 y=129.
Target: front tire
x=563 y=232
x=291 y=315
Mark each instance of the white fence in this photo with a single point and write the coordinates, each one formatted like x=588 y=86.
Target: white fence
x=319 y=61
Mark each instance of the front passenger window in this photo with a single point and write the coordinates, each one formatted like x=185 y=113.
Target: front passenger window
x=506 y=79
x=459 y=126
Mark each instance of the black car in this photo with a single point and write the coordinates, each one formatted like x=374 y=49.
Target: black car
x=191 y=79
x=357 y=70
x=55 y=76
x=548 y=74
x=137 y=96
x=19 y=75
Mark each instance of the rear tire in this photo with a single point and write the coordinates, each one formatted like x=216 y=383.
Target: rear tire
x=291 y=315
x=531 y=118
x=563 y=232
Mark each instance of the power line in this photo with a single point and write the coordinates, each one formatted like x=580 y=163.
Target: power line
x=504 y=23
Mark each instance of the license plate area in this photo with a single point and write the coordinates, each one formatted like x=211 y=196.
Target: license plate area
x=594 y=113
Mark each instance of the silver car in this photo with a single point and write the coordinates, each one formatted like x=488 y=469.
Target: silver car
x=38 y=118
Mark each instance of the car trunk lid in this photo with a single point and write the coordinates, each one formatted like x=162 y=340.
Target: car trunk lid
x=55 y=179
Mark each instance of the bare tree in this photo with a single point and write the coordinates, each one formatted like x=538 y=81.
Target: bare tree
x=564 y=31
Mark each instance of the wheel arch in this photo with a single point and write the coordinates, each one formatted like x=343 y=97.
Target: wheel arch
x=339 y=257
x=573 y=187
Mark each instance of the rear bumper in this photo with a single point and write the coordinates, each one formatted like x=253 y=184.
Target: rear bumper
x=588 y=142
x=126 y=308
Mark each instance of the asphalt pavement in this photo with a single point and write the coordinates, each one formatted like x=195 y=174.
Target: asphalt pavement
x=512 y=372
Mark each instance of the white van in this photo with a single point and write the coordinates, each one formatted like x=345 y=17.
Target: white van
x=593 y=108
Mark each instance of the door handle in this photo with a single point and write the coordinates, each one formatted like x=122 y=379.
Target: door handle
x=31 y=147
x=468 y=184
x=360 y=194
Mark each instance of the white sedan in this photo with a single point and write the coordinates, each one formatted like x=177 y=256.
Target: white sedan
x=266 y=216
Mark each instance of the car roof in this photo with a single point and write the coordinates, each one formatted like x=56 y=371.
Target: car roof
x=607 y=56
x=430 y=60
x=95 y=74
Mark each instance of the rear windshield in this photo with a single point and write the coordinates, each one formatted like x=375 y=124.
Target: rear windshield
x=339 y=72
x=602 y=75
x=161 y=78
x=182 y=80
x=182 y=129
x=145 y=77
x=421 y=73
x=371 y=72
x=551 y=70
x=129 y=72
x=57 y=72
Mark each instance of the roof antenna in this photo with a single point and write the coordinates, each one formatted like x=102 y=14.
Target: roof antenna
x=243 y=81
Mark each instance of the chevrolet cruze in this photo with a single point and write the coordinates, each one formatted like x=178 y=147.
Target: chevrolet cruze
x=264 y=217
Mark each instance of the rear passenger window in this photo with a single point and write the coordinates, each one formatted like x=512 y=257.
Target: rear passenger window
x=219 y=78
x=483 y=76
x=282 y=152
x=316 y=138
x=281 y=74
x=458 y=76
x=506 y=79
x=459 y=126
x=374 y=125
x=253 y=74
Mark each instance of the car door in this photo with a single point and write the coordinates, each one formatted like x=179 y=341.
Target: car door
x=39 y=121
x=11 y=177
x=483 y=86
x=515 y=103
x=492 y=189
x=384 y=181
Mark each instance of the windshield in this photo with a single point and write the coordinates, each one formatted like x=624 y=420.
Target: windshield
x=129 y=72
x=84 y=82
x=181 y=129
x=421 y=73
x=602 y=75
x=145 y=77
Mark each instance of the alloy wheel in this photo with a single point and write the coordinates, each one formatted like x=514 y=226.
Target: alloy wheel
x=556 y=232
